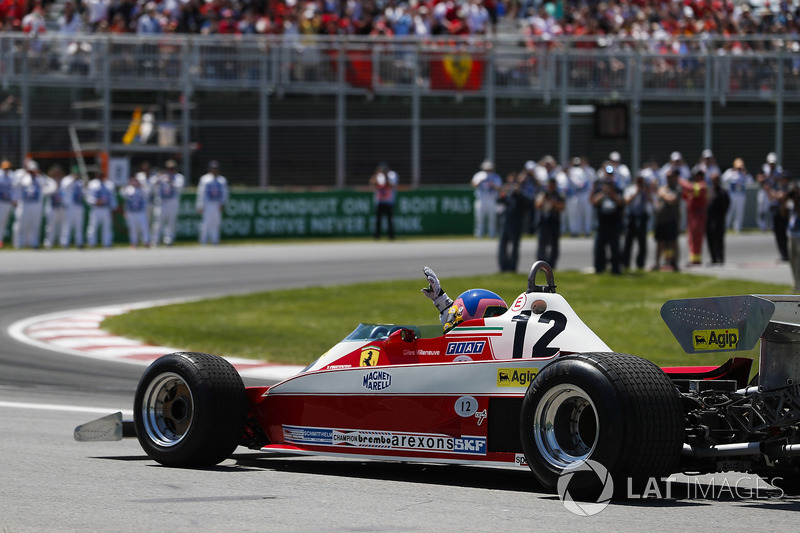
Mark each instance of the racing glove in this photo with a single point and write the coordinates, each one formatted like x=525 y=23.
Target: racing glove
x=434 y=291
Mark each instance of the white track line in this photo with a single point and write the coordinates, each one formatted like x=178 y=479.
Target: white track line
x=78 y=333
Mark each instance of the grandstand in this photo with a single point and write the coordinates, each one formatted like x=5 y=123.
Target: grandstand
x=286 y=102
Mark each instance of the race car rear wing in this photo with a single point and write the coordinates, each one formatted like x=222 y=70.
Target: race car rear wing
x=732 y=323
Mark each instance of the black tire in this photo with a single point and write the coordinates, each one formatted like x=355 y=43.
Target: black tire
x=190 y=410
x=616 y=409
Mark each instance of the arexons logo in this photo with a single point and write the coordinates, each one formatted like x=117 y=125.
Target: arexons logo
x=470 y=347
x=715 y=339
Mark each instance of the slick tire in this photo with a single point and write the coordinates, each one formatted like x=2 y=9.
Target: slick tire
x=618 y=410
x=190 y=410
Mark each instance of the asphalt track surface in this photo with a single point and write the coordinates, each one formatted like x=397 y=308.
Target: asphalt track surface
x=48 y=482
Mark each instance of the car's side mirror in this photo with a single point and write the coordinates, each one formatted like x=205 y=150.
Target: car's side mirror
x=408 y=335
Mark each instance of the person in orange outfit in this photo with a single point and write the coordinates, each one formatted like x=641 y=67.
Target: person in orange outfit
x=695 y=193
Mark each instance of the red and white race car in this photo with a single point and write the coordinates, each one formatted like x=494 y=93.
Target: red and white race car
x=533 y=387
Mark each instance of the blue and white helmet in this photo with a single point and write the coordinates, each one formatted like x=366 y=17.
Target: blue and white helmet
x=474 y=303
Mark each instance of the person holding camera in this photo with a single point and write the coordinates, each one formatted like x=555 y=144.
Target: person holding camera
x=609 y=204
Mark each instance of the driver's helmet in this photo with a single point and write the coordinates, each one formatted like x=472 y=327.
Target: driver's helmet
x=474 y=303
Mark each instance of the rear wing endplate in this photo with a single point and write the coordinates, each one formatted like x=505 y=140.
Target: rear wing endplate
x=726 y=323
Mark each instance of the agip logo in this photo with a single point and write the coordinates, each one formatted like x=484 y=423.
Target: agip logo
x=515 y=377
x=715 y=339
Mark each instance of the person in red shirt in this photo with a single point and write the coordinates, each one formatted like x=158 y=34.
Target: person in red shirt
x=695 y=193
x=384 y=182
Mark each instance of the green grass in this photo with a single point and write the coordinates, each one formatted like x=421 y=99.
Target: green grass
x=295 y=326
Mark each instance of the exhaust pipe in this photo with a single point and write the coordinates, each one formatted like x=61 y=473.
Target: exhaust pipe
x=723 y=450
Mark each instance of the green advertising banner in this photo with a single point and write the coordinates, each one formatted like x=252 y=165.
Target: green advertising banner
x=341 y=213
x=333 y=214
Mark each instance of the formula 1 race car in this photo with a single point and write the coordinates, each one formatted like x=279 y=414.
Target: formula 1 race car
x=533 y=387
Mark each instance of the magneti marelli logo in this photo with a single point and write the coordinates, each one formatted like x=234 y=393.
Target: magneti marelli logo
x=585 y=508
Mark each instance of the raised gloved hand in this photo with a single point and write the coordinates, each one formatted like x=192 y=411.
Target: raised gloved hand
x=434 y=288
x=434 y=291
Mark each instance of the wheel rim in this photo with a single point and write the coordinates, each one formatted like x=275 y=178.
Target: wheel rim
x=167 y=409
x=566 y=426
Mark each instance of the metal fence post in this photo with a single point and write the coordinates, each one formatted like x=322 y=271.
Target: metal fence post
x=25 y=140
x=563 y=145
x=636 y=113
x=708 y=103
x=416 y=135
x=263 y=123
x=490 y=106
x=779 y=95
x=340 y=117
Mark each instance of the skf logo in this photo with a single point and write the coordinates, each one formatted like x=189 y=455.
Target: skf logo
x=715 y=339
x=514 y=377
x=462 y=348
x=473 y=445
x=369 y=357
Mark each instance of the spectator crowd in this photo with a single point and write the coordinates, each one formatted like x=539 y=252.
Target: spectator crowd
x=656 y=21
x=621 y=208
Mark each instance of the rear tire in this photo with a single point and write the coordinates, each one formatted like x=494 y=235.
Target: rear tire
x=190 y=409
x=618 y=410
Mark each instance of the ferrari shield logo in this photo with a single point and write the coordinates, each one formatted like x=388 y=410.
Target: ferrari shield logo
x=369 y=357
x=458 y=67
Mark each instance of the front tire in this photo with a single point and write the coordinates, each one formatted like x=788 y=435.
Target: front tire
x=618 y=410
x=190 y=410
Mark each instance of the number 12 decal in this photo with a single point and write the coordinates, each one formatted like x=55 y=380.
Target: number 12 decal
x=540 y=348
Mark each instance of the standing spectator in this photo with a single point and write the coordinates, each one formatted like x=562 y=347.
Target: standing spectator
x=147 y=177
x=550 y=204
x=581 y=179
x=486 y=184
x=718 y=203
x=735 y=180
x=530 y=189
x=135 y=196
x=668 y=214
x=97 y=12
x=622 y=174
x=384 y=182
x=69 y=22
x=7 y=183
x=778 y=195
x=695 y=193
x=54 y=209
x=549 y=168
x=212 y=195
x=609 y=203
x=72 y=194
x=767 y=180
x=32 y=187
x=34 y=23
x=149 y=23
x=638 y=199
x=675 y=162
x=793 y=207
x=102 y=199
x=708 y=165
x=515 y=204
x=167 y=189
